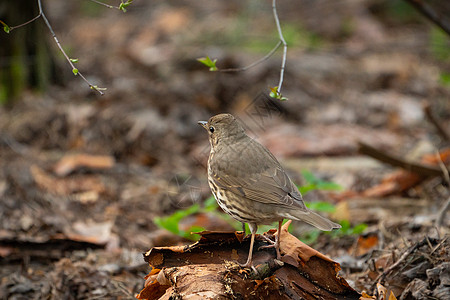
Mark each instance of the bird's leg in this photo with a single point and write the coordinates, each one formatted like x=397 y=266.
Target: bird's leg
x=243 y=228
x=275 y=244
x=277 y=239
x=253 y=228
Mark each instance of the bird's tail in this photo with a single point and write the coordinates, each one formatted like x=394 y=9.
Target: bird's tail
x=313 y=219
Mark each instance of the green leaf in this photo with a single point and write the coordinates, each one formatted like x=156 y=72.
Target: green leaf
x=274 y=93
x=439 y=44
x=329 y=186
x=358 y=229
x=306 y=188
x=321 y=206
x=94 y=87
x=210 y=204
x=310 y=237
x=195 y=228
x=444 y=78
x=75 y=71
x=170 y=223
x=211 y=64
x=6 y=28
x=345 y=225
x=124 y=5
x=310 y=177
x=74 y=60
x=166 y=224
x=315 y=183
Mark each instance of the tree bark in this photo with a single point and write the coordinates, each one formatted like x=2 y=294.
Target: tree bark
x=208 y=270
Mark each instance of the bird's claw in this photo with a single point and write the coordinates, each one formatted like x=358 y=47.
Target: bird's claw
x=272 y=245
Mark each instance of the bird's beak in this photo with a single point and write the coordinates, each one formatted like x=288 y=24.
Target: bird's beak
x=203 y=124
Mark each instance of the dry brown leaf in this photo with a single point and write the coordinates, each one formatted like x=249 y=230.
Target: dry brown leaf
x=381 y=291
x=393 y=183
x=66 y=186
x=72 y=162
x=432 y=159
x=392 y=296
x=365 y=296
x=91 y=232
x=294 y=248
x=366 y=244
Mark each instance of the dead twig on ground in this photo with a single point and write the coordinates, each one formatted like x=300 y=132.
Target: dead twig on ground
x=434 y=14
x=383 y=275
x=442 y=213
x=436 y=123
x=420 y=169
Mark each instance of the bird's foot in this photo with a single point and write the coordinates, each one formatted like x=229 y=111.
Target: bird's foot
x=272 y=245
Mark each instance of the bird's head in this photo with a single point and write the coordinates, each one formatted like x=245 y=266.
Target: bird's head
x=223 y=128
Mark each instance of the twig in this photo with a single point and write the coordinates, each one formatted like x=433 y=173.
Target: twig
x=439 y=245
x=443 y=168
x=267 y=56
x=442 y=213
x=431 y=13
x=47 y=23
x=104 y=4
x=433 y=120
x=420 y=169
x=42 y=14
x=446 y=207
x=383 y=275
x=26 y=23
x=280 y=34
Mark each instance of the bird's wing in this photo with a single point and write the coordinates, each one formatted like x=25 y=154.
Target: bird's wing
x=265 y=182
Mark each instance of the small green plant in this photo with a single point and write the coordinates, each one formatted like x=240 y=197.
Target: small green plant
x=170 y=223
x=314 y=183
x=348 y=229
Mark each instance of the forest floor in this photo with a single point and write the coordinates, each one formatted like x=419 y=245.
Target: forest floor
x=87 y=181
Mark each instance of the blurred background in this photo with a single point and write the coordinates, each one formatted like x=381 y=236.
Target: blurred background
x=89 y=182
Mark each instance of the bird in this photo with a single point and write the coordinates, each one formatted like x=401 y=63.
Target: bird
x=250 y=184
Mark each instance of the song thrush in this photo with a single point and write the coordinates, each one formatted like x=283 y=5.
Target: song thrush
x=250 y=184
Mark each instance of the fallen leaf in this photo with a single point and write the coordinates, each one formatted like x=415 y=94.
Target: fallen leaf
x=70 y=163
x=393 y=183
x=381 y=291
x=366 y=244
x=365 y=296
x=96 y=233
x=292 y=247
x=392 y=296
x=66 y=186
x=433 y=159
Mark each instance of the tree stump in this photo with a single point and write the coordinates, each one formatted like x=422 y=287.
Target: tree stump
x=208 y=270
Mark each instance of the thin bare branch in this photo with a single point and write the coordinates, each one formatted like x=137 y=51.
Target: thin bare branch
x=280 y=34
x=26 y=23
x=42 y=14
x=442 y=131
x=442 y=212
x=420 y=169
x=266 y=57
x=104 y=4
x=434 y=14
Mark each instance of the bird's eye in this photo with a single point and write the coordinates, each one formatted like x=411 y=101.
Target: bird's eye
x=211 y=129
